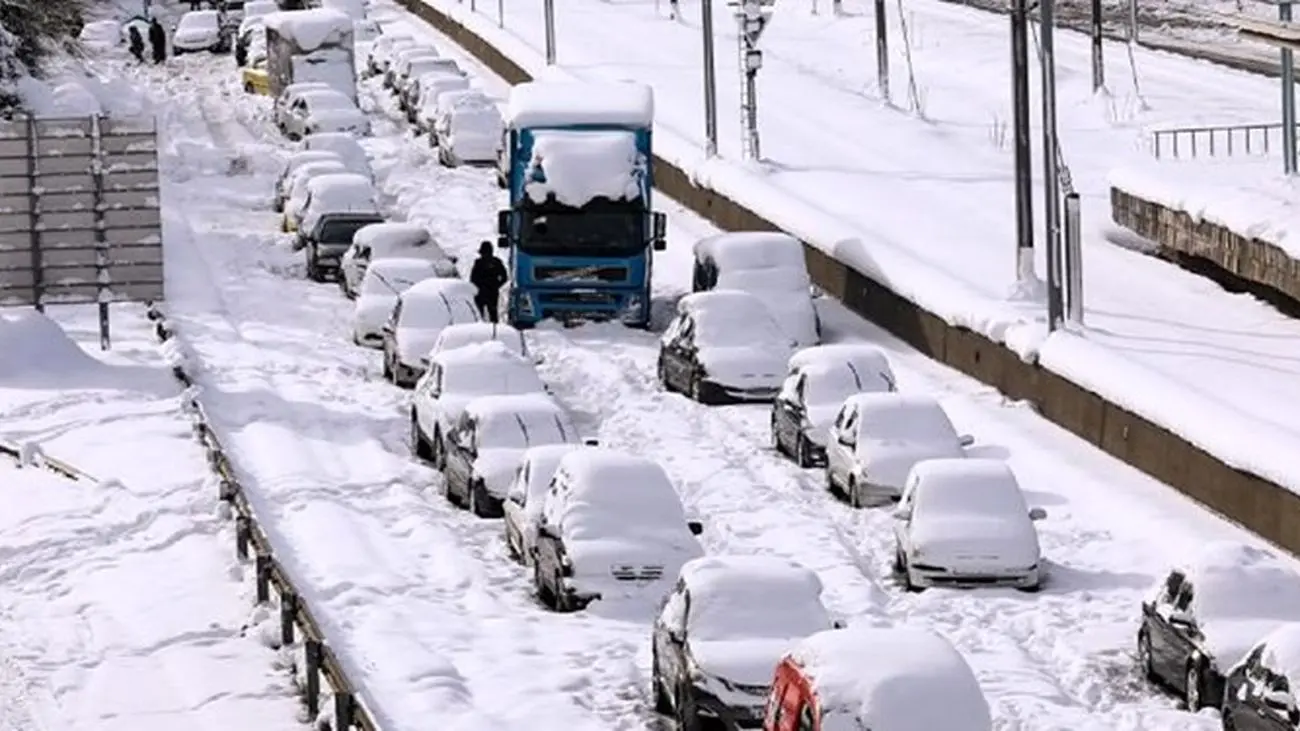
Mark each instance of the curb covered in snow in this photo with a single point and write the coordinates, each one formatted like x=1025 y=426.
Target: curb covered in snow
x=295 y=616
x=31 y=455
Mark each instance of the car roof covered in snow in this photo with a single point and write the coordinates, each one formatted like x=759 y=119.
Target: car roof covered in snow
x=753 y=596
x=604 y=482
x=401 y=265
x=201 y=17
x=896 y=678
x=526 y=405
x=903 y=415
x=434 y=288
x=310 y=29
x=751 y=250
x=765 y=575
x=976 y=486
x=346 y=187
x=432 y=61
x=309 y=171
x=861 y=355
x=467 y=98
x=480 y=352
x=721 y=301
x=393 y=234
x=564 y=103
x=1233 y=580
x=342 y=144
x=303 y=157
x=864 y=377
x=466 y=334
x=1282 y=652
x=722 y=311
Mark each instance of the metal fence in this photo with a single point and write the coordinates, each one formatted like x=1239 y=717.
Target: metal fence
x=1224 y=140
x=79 y=213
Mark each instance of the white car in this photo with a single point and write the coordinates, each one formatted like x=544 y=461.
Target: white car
x=770 y=265
x=420 y=67
x=385 y=56
x=336 y=193
x=345 y=146
x=487 y=443
x=820 y=379
x=257 y=8
x=453 y=379
x=391 y=239
x=290 y=95
x=199 y=30
x=385 y=281
x=296 y=160
x=964 y=523
x=473 y=333
x=420 y=315
x=295 y=187
x=882 y=679
x=381 y=49
x=721 y=632
x=396 y=77
x=612 y=525
x=526 y=496
x=724 y=347
x=467 y=129
x=424 y=113
x=877 y=438
x=324 y=110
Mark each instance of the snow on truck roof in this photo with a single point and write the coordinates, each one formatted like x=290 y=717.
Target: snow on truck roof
x=310 y=29
x=890 y=678
x=579 y=166
x=564 y=103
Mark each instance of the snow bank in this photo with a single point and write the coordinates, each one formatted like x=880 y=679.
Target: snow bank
x=31 y=343
x=576 y=167
x=101 y=34
x=1247 y=196
x=562 y=103
x=310 y=29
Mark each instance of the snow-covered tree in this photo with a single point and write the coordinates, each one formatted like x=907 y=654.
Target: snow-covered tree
x=29 y=31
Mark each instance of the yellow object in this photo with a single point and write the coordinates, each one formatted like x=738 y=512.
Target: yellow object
x=256 y=80
x=287 y=224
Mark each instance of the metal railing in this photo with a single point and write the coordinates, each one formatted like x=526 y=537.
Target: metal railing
x=35 y=458
x=1225 y=140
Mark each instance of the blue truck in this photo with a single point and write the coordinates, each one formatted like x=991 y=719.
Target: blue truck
x=579 y=226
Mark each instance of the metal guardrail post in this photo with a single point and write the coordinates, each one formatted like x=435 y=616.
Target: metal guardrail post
x=344 y=706
x=312 y=661
x=242 y=530
x=263 y=567
x=288 y=615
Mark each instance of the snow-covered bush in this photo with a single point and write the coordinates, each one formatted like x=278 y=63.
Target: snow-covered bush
x=30 y=30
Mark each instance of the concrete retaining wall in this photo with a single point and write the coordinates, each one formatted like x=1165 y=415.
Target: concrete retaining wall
x=1267 y=509
x=1178 y=235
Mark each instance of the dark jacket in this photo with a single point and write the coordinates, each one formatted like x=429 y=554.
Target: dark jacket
x=488 y=274
x=158 y=41
x=136 y=42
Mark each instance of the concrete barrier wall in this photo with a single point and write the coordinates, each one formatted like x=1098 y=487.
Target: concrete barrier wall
x=1254 y=261
x=1261 y=506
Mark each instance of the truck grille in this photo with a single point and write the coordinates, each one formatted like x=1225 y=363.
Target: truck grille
x=625 y=572
x=604 y=299
x=579 y=274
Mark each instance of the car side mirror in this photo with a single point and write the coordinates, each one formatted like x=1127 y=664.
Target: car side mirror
x=676 y=636
x=1037 y=514
x=424 y=363
x=591 y=442
x=838 y=624
x=545 y=531
x=503 y=242
x=966 y=440
x=695 y=527
x=388 y=328
x=659 y=227
x=902 y=513
x=503 y=223
x=846 y=440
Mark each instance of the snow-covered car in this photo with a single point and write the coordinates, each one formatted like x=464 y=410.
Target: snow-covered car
x=420 y=315
x=380 y=51
x=526 y=495
x=487 y=443
x=295 y=189
x=422 y=66
x=334 y=193
x=345 y=146
x=324 y=110
x=964 y=523
x=877 y=678
x=721 y=632
x=820 y=379
x=723 y=347
x=385 y=280
x=1207 y=614
x=468 y=128
x=473 y=333
x=424 y=112
x=452 y=379
x=1264 y=686
x=612 y=525
x=354 y=9
x=397 y=76
x=384 y=56
x=296 y=160
x=391 y=239
x=200 y=30
x=877 y=438
x=328 y=236
x=768 y=265
x=257 y=8
x=250 y=42
x=289 y=95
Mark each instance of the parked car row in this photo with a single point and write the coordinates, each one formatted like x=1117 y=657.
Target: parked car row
x=462 y=123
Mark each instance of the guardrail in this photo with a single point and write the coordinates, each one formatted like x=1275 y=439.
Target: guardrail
x=319 y=661
x=25 y=457
x=1247 y=139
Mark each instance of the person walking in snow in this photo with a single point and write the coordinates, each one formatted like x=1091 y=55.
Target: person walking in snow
x=674 y=10
x=157 y=41
x=489 y=276
x=136 y=43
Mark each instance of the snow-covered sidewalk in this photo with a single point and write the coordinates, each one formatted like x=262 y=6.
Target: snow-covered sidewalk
x=121 y=603
x=926 y=205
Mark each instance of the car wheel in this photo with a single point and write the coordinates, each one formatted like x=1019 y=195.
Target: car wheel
x=501 y=182
x=544 y=593
x=1145 y=663
x=663 y=376
x=803 y=454
x=898 y=566
x=1195 y=686
x=439 y=451
x=248 y=88
x=851 y=493
x=313 y=269
x=688 y=719
x=388 y=368
x=663 y=704
x=512 y=551
x=905 y=577
x=418 y=443
x=477 y=497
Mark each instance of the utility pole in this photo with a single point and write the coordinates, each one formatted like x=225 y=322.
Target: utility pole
x=1098 y=64
x=1051 y=169
x=710 y=81
x=751 y=20
x=1023 y=156
x=1288 y=97
x=882 y=50
x=548 y=7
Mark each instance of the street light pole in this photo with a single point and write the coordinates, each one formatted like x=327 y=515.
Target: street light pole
x=710 y=81
x=548 y=7
x=1051 y=170
x=1023 y=156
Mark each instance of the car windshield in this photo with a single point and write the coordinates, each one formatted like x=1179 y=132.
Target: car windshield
x=616 y=230
x=393 y=281
x=329 y=101
x=202 y=20
x=828 y=389
x=487 y=379
x=738 y=613
x=911 y=424
x=979 y=496
x=728 y=328
x=436 y=311
x=507 y=430
x=339 y=231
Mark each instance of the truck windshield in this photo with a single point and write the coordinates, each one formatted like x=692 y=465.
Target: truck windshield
x=340 y=231
x=605 y=229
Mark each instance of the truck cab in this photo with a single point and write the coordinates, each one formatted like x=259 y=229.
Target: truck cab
x=580 y=227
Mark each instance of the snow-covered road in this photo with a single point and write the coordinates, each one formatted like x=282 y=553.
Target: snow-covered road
x=433 y=621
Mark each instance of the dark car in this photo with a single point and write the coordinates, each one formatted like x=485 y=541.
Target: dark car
x=720 y=635
x=1207 y=615
x=1259 y=695
x=329 y=239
